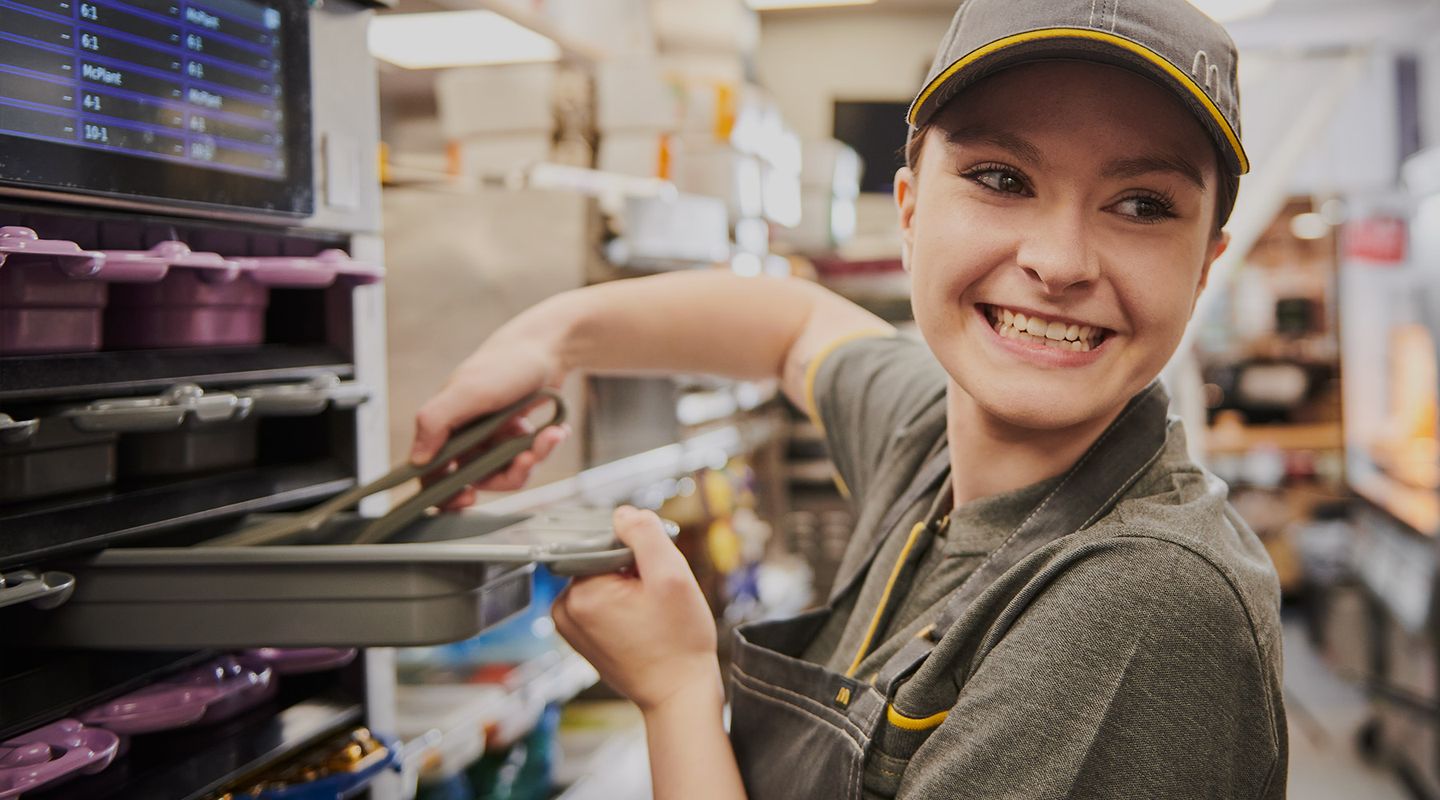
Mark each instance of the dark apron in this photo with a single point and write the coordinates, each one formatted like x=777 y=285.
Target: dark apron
x=801 y=731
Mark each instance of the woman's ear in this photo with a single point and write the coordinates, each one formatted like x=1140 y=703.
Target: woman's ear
x=1217 y=247
x=905 y=204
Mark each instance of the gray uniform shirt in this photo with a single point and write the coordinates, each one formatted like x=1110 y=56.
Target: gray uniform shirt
x=1143 y=661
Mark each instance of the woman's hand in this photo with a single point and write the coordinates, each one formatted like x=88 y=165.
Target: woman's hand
x=649 y=632
x=507 y=367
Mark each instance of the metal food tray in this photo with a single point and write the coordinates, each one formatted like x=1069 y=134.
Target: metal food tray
x=441 y=579
x=327 y=577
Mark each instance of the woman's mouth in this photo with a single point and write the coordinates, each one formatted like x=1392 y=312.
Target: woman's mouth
x=1038 y=331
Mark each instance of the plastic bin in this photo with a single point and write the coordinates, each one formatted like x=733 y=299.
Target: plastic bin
x=210 y=301
x=50 y=456
x=53 y=292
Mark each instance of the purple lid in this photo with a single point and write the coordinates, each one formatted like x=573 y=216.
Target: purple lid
x=356 y=271
x=17 y=244
x=310 y=272
x=213 y=692
x=299 y=660
x=52 y=754
x=149 y=266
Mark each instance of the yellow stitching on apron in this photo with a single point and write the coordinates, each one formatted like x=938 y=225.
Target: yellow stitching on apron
x=813 y=369
x=911 y=723
x=885 y=598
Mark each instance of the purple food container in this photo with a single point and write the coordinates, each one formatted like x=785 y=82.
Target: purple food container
x=53 y=754
x=209 y=301
x=212 y=693
x=53 y=292
x=205 y=300
x=49 y=301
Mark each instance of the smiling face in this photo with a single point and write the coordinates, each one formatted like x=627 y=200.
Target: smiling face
x=1058 y=232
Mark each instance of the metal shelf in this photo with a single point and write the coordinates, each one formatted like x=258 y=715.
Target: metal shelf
x=59 y=377
x=105 y=518
x=191 y=764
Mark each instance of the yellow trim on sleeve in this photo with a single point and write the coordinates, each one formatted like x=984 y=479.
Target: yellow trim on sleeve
x=812 y=370
x=911 y=723
x=885 y=598
x=1099 y=36
x=840 y=484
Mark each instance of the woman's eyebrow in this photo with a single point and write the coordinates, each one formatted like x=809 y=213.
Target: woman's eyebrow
x=1143 y=165
x=1014 y=142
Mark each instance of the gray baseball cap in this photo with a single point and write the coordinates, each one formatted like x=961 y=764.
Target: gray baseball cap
x=1168 y=41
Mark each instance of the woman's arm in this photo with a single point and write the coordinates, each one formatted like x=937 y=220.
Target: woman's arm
x=650 y=636
x=701 y=322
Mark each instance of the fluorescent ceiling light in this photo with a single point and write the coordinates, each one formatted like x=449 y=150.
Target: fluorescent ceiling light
x=1231 y=10
x=775 y=5
x=456 y=39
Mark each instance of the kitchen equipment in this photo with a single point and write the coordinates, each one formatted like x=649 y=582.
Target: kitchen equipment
x=45 y=457
x=210 y=693
x=52 y=755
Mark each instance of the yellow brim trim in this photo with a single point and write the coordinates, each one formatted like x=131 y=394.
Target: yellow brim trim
x=1098 y=36
x=913 y=724
x=813 y=368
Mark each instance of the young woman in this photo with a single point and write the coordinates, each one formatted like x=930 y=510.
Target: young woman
x=1044 y=596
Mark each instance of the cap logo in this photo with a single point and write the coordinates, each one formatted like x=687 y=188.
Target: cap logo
x=1207 y=74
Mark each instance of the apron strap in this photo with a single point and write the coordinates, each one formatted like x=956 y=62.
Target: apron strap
x=1086 y=492
x=931 y=471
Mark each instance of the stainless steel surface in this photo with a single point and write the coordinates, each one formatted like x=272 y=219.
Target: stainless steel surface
x=43 y=590
x=305 y=399
x=177 y=406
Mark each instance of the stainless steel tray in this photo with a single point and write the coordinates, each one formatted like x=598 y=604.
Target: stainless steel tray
x=443 y=578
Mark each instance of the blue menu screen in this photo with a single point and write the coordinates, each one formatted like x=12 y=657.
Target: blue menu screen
x=195 y=83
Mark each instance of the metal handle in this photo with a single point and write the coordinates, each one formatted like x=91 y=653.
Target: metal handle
x=461 y=443
x=305 y=399
x=163 y=412
x=15 y=431
x=44 y=590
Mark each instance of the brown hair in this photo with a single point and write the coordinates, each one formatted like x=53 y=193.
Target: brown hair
x=1224 y=197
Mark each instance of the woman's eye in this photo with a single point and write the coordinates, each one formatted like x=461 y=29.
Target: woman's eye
x=1000 y=180
x=1148 y=209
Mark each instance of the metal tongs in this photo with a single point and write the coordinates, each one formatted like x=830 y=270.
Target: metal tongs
x=279 y=527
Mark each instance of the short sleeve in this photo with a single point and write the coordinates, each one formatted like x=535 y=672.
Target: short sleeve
x=1135 y=674
x=871 y=394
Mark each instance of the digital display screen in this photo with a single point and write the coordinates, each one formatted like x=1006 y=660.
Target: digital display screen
x=199 y=84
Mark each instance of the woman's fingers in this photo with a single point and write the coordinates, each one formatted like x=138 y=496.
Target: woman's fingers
x=516 y=474
x=655 y=555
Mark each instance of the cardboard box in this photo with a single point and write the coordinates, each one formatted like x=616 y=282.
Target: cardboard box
x=500 y=155
x=633 y=94
x=638 y=153
x=724 y=172
x=504 y=98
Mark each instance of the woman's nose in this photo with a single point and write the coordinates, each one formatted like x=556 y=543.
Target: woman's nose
x=1057 y=252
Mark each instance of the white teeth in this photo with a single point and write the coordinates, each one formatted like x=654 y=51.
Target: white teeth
x=1062 y=335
